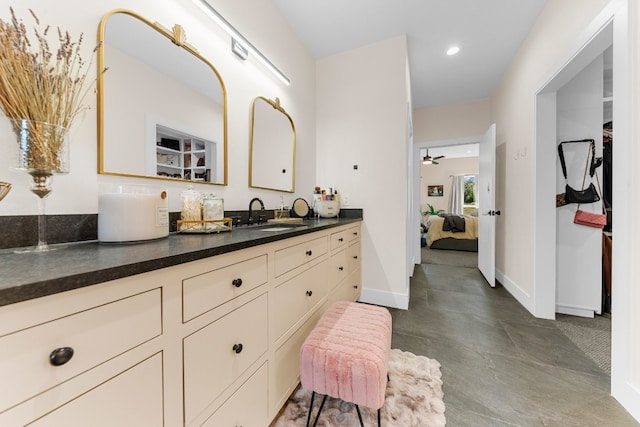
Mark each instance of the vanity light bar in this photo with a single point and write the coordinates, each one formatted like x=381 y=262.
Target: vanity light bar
x=240 y=39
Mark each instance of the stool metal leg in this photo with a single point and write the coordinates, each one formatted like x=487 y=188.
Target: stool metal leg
x=379 y=417
x=359 y=416
x=313 y=394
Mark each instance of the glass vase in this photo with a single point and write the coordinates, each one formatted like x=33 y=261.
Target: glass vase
x=43 y=150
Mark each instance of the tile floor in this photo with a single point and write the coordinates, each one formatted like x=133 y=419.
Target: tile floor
x=501 y=366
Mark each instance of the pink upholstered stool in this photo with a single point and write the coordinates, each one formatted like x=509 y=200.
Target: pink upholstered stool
x=345 y=356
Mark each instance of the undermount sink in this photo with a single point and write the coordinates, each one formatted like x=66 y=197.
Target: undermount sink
x=277 y=228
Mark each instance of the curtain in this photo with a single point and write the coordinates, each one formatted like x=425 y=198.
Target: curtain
x=457 y=195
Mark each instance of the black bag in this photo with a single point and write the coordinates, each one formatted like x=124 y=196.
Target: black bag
x=586 y=195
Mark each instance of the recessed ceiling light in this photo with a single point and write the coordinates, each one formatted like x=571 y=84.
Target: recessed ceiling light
x=453 y=50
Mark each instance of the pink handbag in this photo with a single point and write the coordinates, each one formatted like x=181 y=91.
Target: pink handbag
x=590 y=219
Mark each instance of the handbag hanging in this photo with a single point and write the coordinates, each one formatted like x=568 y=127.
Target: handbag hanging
x=590 y=219
x=586 y=195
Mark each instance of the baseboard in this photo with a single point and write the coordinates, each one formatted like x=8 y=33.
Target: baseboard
x=384 y=298
x=628 y=395
x=525 y=300
x=573 y=310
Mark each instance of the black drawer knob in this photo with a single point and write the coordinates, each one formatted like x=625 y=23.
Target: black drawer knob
x=237 y=348
x=340 y=268
x=340 y=239
x=355 y=257
x=60 y=356
x=355 y=233
x=237 y=282
x=309 y=293
x=355 y=286
x=309 y=253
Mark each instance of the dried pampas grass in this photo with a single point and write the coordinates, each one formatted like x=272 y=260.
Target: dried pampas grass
x=37 y=83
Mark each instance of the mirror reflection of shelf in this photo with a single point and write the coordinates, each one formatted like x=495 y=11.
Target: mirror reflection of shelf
x=180 y=155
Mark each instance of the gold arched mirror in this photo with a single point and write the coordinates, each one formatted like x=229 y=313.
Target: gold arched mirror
x=272 y=146
x=162 y=107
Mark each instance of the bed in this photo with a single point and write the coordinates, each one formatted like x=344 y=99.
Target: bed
x=466 y=240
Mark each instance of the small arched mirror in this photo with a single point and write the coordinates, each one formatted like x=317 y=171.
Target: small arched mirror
x=161 y=105
x=272 y=149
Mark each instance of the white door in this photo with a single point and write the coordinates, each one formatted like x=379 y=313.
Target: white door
x=486 y=206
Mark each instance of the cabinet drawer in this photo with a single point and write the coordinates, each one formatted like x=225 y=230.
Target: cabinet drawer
x=338 y=239
x=133 y=398
x=207 y=291
x=338 y=268
x=350 y=289
x=353 y=256
x=294 y=256
x=295 y=297
x=353 y=233
x=248 y=405
x=95 y=335
x=213 y=358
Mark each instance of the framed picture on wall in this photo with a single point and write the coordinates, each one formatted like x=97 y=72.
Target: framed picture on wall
x=435 y=190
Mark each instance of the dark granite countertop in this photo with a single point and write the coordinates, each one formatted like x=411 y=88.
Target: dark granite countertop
x=33 y=275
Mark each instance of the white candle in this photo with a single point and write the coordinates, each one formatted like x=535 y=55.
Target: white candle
x=125 y=217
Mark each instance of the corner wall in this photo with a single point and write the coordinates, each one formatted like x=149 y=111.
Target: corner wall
x=361 y=115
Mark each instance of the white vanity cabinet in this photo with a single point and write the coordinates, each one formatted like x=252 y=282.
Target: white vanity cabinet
x=211 y=342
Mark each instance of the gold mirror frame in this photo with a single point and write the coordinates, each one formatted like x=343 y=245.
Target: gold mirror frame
x=176 y=36
x=273 y=164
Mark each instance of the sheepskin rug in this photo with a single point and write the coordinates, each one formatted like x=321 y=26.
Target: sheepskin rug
x=414 y=398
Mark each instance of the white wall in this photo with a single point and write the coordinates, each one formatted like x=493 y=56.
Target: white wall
x=362 y=120
x=558 y=30
x=77 y=192
x=452 y=121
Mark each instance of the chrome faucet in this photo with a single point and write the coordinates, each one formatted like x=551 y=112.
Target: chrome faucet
x=253 y=207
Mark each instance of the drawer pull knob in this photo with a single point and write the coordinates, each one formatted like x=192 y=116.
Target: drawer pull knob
x=355 y=257
x=355 y=286
x=237 y=282
x=309 y=253
x=340 y=239
x=60 y=356
x=309 y=293
x=355 y=233
x=237 y=348
x=341 y=268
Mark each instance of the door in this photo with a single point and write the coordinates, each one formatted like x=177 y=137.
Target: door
x=486 y=206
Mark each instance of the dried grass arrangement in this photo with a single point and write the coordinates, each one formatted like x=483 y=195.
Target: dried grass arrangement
x=40 y=87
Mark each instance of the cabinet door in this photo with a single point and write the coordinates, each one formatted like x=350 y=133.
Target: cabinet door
x=247 y=407
x=133 y=398
x=216 y=355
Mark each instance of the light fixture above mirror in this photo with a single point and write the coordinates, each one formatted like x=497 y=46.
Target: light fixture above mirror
x=161 y=106
x=238 y=39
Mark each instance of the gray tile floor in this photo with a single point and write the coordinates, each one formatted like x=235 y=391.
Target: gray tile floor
x=501 y=366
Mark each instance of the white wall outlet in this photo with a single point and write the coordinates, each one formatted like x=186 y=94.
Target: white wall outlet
x=346 y=199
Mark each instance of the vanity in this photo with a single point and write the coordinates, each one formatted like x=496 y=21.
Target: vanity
x=187 y=330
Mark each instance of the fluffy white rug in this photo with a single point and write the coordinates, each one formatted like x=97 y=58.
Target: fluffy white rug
x=414 y=398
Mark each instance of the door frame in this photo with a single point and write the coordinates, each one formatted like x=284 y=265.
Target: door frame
x=615 y=17
x=416 y=215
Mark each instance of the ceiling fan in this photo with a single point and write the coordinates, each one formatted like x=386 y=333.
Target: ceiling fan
x=428 y=160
